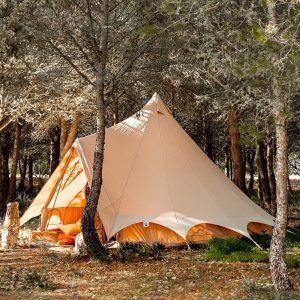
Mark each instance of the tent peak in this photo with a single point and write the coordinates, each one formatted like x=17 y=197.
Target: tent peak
x=160 y=105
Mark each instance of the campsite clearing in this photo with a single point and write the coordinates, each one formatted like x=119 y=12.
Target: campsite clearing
x=39 y=273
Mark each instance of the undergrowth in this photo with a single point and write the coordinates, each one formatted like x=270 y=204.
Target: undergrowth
x=10 y=280
x=130 y=251
x=233 y=250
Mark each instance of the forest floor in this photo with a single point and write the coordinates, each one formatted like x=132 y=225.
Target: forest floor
x=42 y=273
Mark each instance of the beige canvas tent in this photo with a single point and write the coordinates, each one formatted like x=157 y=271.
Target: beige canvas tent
x=158 y=186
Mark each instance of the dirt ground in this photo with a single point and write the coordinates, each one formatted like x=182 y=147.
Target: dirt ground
x=41 y=273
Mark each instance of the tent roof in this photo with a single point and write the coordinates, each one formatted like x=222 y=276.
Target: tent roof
x=153 y=171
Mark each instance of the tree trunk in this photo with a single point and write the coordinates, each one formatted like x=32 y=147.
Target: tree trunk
x=2 y=200
x=270 y=162
x=14 y=166
x=227 y=162
x=63 y=135
x=250 y=160
x=278 y=267
x=54 y=149
x=23 y=170
x=262 y=169
x=90 y=235
x=4 y=169
x=116 y=111
x=30 y=174
x=259 y=190
x=208 y=148
x=239 y=172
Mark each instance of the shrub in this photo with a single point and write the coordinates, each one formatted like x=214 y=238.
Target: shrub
x=25 y=280
x=264 y=240
x=132 y=251
x=36 y=279
x=129 y=251
x=156 y=250
x=228 y=245
x=231 y=250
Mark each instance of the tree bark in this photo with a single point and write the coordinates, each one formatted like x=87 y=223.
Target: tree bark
x=5 y=170
x=272 y=179
x=2 y=200
x=54 y=149
x=239 y=172
x=227 y=161
x=262 y=169
x=116 y=112
x=14 y=166
x=90 y=235
x=23 y=170
x=30 y=174
x=278 y=267
x=63 y=135
x=250 y=160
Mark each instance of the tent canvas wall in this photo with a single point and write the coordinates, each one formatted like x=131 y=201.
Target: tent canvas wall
x=158 y=185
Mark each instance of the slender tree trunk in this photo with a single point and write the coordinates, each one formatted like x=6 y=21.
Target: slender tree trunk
x=90 y=235
x=231 y=167
x=23 y=170
x=30 y=174
x=208 y=148
x=63 y=135
x=262 y=169
x=116 y=111
x=239 y=172
x=2 y=200
x=54 y=149
x=227 y=162
x=14 y=166
x=5 y=152
x=278 y=267
x=250 y=160
x=270 y=161
x=259 y=189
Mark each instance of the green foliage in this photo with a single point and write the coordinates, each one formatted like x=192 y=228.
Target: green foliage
x=252 y=256
x=258 y=33
x=36 y=279
x=264 y=240
x=231 y=250
x=25 y=280
x=228 y=245
x=156 y=250
x=293 y=260
x=149 y=30
x=130 y=251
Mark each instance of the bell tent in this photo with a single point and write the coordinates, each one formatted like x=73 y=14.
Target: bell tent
x=158 y=186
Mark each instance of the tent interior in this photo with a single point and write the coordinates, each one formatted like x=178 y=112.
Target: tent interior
x=158 y=186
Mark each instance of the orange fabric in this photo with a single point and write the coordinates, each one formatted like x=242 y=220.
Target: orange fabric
x=66 y=239
x=66 y=215
x=79 y=200
x=254 y=227
x=70 y=229
x=45 y=236
x=205 y=231
x=153 y=234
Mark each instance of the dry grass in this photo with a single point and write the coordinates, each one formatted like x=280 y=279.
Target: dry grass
x=39 y=273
